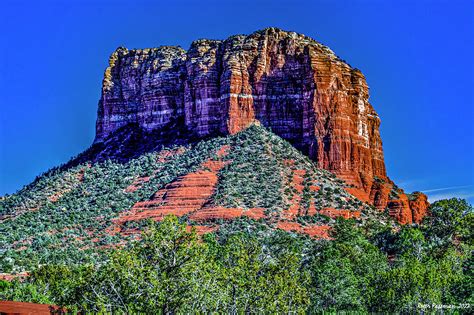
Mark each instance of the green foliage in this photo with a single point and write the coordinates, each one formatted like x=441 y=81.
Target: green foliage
x=57 y=228
x=249 y=268
x=260 y=174
x=259 y=282
x=73 y=228
x=172 y=271
x=345 y=271
x=64 y=216
x=433 y=263
x=450 y=219
x=253 y=177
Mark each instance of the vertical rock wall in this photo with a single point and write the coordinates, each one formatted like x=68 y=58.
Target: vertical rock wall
x=292 y=84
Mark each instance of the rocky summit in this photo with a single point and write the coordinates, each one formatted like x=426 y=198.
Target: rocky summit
x=290 y=83
x=270 y=130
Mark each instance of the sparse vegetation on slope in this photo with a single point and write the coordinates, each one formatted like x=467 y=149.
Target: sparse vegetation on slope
x=74 y=231
x=68 y=215
x=36 y=229
x=249 y=268
x=260 y=175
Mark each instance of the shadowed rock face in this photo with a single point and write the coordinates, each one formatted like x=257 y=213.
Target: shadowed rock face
x=289 y=82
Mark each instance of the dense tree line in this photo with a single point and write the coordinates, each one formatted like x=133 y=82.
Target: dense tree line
x=370 y=268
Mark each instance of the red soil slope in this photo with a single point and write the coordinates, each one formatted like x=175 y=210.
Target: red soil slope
x=192 y=193
x=189 y=193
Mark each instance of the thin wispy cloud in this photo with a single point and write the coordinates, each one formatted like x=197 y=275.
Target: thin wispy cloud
x=464 y=191
x=436 y=197
x=446 y=188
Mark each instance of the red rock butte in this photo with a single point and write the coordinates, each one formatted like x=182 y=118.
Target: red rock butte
x=290 y=83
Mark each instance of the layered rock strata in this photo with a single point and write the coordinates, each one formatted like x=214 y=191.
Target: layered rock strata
x=289 y=82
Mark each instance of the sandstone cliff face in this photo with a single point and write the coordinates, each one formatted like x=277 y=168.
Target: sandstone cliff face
x=289 y=82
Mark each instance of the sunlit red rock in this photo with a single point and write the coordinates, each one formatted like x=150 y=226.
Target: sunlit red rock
x=14 y=308
x=315 y=231
x=419 y=206
x=288 y=82
x=188 y=194
x=400 y=209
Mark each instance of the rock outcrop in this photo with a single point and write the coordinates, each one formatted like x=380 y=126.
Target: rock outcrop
x=418 y=204
x=289 y=82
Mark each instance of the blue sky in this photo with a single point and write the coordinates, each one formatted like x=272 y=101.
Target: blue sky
x=417 y=57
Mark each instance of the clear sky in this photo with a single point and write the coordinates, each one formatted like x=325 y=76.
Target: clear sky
x=417 y=57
